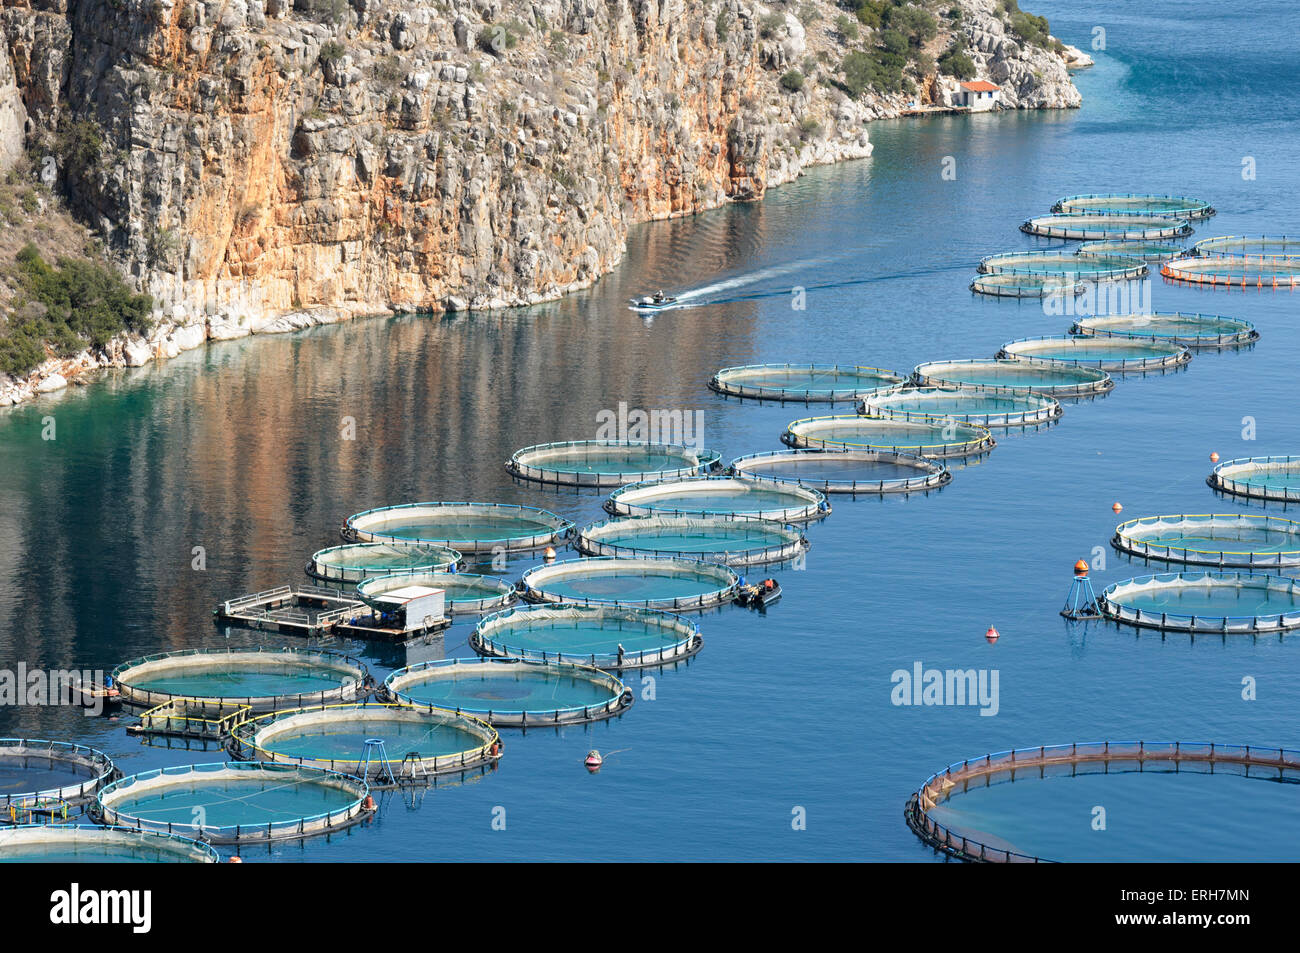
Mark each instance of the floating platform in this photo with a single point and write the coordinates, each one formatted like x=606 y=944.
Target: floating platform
x=465 y=593
x=1063 y=264
x=41 y=778
x=845 y=471
x=301 y=610
x=1114 y=355
x=1247 y=246
x=216 y=681
x=84 y=844
x=1234 y=272
x=354 y=562
x=1062 y=381
x=968 y=405
x=465 y=527
x=1194 y=330
x=515 y=693
x=662 y=583
x=1274 y=478
x=925 y=438
x=1092 y=227
x=605 y=637
x=1225 y=540
x=608 y=463
x=734 y=497
x=1150 y=252
x=1237 y=603
x=236 y=802
x=1028 y=286
x=713 y=538
x=802 y=383
x=417 y=744
x=1132 y=203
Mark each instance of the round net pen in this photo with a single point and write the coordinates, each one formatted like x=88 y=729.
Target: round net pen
x=661 y=583
x=43 y=779
x=1190 y=330
x=464 y=592
x=1115 y=355
x=1224 y=540
x=1062 y=381
x=1028 y=286
x=612 y=638
x=1274 y=272
x=926 y=438
x=1063 y=264
x=1134 y=203
x=1150 y=252
x=1275 y=478
x=85 y=844
x=1229 y=603
x=608 y=463
x=1086 y=227
x=1247 y=246
x=354 y=562
x=802 y=383
x=845 y=471
x=512 y=692
x=732 y=497
x=969 y=405
x=465 y=527
x=714 y=539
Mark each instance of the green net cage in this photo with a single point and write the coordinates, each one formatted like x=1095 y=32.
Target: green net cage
x=734 y=497
x=1243 y=603
x=650 y=583
x=1115 y=355
x=86 y=844
x=969 y=405
x=733 y=542
x=802 y=383
x=926 y=437
x=466 y=527
x=1190 y=330
x=1134 y=203
x=608 y=463
x=605 y=637
x=1231 y=540
x=846 y=471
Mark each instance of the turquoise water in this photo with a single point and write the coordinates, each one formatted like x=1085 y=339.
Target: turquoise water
x=100 y=524
x=823 y=381
x=1213 y=601
x=958 y=405
x=1255 y=537
x=37 y=777
x=1137 y=204
x=622 y=585
x=346 y=741
x=458 y=529
x=232 y=801
x=716 y=539
x=1016 y=374
x=627 y=461
x=94 y=851
x=1282 y=269
x=1078 y=350
x=1171 y=326
x=515 y=688
x=721 y=501
x=900 y=435
x=586 y=637
x=379 y=558
x=242 y=684
x=1058 y=264
x=816 y=468
x=1272 y=476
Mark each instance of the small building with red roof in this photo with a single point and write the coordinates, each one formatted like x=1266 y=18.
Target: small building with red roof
x=978 y=95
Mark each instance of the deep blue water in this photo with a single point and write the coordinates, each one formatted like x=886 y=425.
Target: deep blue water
x=237 y=448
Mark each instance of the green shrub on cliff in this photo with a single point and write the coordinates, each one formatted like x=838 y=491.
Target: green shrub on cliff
x=792 y=81
x=957 y=63
x=65 y=308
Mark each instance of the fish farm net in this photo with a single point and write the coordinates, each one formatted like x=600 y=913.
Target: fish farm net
x=923 y=437
x=466 y=527
x=220 y=680
x=1071 y=760
x=39 y=777
x=386 y=744
x=969 y=405
x=1117 y=355
x=604 y=637
x=464 y=592
x=1230 y=540
x=236 y=802
x=1220 y=602
x=1243 y=246
x=1061 y=381
x=845 y=471
x=1276 y=272
x=1188 y=330
x=1147 y=251
x=608 y=463
x=1259 y=478
x=84 y=844
x=514 y=692
x=1090 y=227
x=802 y=383
x=1027 y=285
x=731 y=542
x=1129 y=203
x=1065 y=265
x=661 y=583
x=734 y=497
x=357 y=561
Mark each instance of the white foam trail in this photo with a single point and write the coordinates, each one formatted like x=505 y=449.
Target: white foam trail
x=741 y=281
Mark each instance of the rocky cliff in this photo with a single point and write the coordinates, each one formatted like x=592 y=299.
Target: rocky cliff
x=260 y=165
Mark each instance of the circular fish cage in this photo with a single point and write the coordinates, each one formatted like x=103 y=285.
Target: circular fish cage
x=925 y=438
x=1063 y=264
x=1197 y=331
x=1235 y=272
x=604 y=637
x=1130 y=203
x=1062 y=381
x=1244 y=246
x=712 y=538
x=219 y=680
x=1219 y=602
x=969 y=405
x=1115 y=355
x=236 y=802
x=86 y=844
x=512 y=692
x=1013 y=285
x=658 y=583
x=1149 y=252
x=1259 y=478
x=354 y=562
x=387 y=744
x=845 y=471
x=802 y=383
x=1092 y=227
x=1227 y=540
x=466 y=592
x=608 y=463
x=42 y=778
x=927 y=819
x=734 y=497
x=466 y=527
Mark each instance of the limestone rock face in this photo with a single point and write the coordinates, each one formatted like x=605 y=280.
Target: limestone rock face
x=1030 y=77
x=13 y=115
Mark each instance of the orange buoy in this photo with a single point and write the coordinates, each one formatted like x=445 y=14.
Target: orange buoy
x=1117 y=508
x=368 y=804
x=1081 y=568
x=550 y=553
x=991 y=635
x=1214 y=457
x=235 y=859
